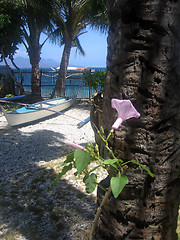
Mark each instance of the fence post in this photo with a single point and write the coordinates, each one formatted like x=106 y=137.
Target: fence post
x=90 y=88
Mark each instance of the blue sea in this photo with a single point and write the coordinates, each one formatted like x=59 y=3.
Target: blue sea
x=74 y=82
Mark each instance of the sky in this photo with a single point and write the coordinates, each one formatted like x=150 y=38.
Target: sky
x=93 y=42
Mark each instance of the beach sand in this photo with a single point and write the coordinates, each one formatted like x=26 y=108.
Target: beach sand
x=30 y=159
x=45 y=140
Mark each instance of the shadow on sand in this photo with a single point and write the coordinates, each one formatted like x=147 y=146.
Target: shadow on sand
x=28 y=209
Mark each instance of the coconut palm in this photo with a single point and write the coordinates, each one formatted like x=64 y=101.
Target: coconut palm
x=71 y=18
x=143 y=57
x=37 y=19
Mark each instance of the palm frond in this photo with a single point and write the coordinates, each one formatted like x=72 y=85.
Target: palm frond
x=57 y=37
x=76 y=43
x=81 y=33
x=73 y=16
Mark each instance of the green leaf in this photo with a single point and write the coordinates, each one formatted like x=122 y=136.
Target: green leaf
x=63 y=172
x=92 y=170
x=91 y=182
x=82 y=160
x=110 y=161
x=69 y=158
x=114 y=166
x=141 y=165
x=85 y=177
x=117 y=184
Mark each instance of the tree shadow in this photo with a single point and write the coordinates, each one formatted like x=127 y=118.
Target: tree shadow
x=27 y=206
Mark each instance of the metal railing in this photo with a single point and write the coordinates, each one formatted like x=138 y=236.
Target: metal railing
x=74 y=82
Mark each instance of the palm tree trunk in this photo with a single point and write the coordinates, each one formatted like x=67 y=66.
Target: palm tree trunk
x=35 y=79
x=143 y=47
x=34 y=56
x=61 y=79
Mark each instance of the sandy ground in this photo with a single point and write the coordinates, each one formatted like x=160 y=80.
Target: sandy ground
x=45 y=140
x=30 y=158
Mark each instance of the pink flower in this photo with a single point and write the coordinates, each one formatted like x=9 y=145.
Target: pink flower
x=75 y=146
x=125 y=111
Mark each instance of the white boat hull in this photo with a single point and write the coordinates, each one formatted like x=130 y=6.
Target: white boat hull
x=31 y=113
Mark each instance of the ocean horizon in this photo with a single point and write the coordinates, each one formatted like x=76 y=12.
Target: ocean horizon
x=23 y=62
x=29 y=68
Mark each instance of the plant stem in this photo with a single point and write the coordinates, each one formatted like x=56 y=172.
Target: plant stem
x=111 y=152
x=104 y=189
x=94 y=225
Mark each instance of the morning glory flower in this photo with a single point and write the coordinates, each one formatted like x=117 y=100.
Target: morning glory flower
x=125 y=111
x=75 y=146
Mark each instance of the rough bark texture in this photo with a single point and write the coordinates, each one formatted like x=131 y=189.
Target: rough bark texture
x=34 y=55
x=96 y=114
x=143 y=66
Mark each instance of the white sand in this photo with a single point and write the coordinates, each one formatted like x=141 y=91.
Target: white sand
x=44 y=141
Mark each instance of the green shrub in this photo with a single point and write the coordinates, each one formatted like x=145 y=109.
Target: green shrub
x=95 y=80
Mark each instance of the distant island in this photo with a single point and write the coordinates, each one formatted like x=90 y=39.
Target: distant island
x=22 y=62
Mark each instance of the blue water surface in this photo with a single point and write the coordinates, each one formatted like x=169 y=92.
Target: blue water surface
x=74 y=82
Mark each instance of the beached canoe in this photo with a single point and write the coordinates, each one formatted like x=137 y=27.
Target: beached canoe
x=18 y=98
x=37 y=111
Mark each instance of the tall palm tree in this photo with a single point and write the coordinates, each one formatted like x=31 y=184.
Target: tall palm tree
x=71 y=19
x=143 y=57
x=37 y=19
